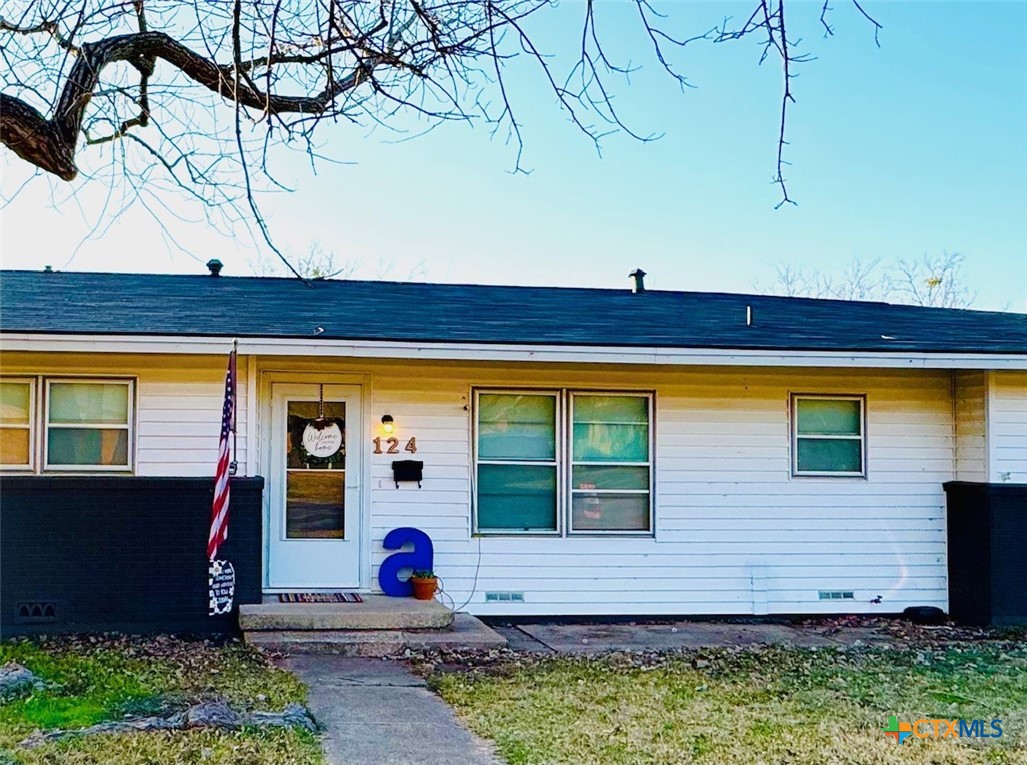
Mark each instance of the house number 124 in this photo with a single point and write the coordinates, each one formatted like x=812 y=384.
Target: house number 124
x=393 y=446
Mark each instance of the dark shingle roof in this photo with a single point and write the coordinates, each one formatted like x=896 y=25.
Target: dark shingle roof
x=147 y=304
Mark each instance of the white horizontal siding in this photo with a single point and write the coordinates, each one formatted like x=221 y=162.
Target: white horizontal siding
x=734 y=532
x=1007 y=423
x=180 y=421
x=970 y=412
x=727 y=509
x=178 y=410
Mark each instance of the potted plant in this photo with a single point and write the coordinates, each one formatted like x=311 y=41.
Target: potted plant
x=425 y=584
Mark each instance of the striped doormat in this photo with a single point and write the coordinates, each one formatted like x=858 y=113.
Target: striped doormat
x=319 y=597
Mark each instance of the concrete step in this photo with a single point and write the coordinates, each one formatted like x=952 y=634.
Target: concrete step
x=377 y=612
x=466 y=634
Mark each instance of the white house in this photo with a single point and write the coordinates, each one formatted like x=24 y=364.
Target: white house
x=585 y=452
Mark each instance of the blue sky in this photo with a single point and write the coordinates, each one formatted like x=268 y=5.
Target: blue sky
x=915 y=147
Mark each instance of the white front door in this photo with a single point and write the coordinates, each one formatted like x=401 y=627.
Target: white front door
x=314 y=487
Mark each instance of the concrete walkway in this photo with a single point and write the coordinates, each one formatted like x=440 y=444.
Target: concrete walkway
x=379 y=713
x=598 y=637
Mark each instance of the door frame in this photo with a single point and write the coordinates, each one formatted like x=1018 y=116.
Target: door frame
x=265 y=464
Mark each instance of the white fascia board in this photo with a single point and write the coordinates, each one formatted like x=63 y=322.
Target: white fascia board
x=564 y=354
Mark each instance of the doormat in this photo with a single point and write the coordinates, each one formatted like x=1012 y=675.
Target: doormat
x=319 y=597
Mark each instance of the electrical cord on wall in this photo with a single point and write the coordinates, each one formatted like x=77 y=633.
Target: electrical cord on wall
x=443 y=595
x=477 y=569
x=477 y=565
x=474 y=584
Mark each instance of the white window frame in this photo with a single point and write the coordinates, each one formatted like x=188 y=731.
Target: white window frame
x=33 y=384
x=129 y=427
x=564 y=491
x=571 y=462
x=862 y=437
x=556 y=462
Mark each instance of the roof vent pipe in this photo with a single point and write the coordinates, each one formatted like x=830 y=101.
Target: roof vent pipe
x=637 y=281
x=215 y=266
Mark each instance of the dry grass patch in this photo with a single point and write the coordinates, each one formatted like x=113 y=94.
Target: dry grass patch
x=771 y=705
x=91 y=680
x=278 y=747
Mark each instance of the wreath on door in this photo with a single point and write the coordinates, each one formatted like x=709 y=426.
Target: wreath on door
x=298 y=426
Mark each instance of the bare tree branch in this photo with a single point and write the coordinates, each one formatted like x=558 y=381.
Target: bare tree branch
x=91 y=73
x=936 y=281
x=50 y=144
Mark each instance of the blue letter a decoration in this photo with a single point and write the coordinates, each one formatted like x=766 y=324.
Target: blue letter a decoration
x=420 y=558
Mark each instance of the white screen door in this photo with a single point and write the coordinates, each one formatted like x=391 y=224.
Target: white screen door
x=314 y=488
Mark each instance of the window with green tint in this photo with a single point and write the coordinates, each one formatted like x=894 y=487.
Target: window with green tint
x=16 y=423
x=610 y=463
x=516 y=426
x=93 y=403
x=561 y=462
x=15 y=403
x=517 y=497
x=611 y=428
x=825 y=417
x=830 y=455
x=88 y=425
x=516 y=472
x=611 y=477
x=829 y=438
x=82 y=447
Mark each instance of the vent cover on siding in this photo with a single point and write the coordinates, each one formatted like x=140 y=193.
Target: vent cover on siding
x=38 y=611
x=505 y=597
x=836 y=595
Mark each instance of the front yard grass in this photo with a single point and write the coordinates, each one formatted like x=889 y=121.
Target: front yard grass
x=91 y=680
x=747 y=707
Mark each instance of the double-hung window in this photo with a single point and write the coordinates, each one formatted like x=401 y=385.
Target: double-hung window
x=563 y=462
x=828 y=435
x=517 y=469
x=66 y=424
x=17 y=424
x=88 y=425
x=611 y=470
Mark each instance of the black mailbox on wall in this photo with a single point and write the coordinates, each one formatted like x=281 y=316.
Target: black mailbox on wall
x=407 y=470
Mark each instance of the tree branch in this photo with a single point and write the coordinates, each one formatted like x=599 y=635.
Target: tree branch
x=50 y=144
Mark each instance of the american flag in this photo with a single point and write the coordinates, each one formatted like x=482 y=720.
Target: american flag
x=219 y=513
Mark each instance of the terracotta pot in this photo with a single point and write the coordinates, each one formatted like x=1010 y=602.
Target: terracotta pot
x=424 y=589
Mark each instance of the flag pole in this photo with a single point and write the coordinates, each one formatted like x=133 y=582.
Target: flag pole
x=234 y=466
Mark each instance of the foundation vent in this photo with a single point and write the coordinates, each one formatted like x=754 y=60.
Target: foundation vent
x=37 y=612
x=836 y=595
x=504 y=597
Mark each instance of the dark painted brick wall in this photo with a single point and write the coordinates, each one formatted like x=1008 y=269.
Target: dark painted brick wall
x=987 y=532
x=121 y=554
